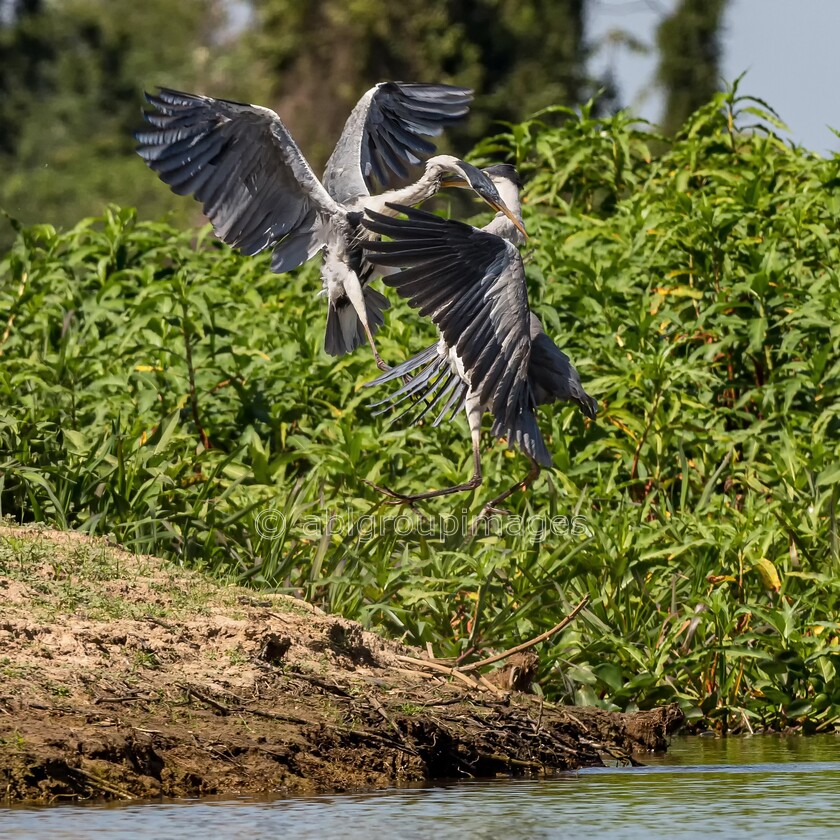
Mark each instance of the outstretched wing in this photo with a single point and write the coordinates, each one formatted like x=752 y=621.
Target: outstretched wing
x=436 y=387
x=472 y=285
x=238 y=160
x=384 y=134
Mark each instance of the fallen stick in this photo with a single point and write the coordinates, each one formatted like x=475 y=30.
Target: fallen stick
x=425 y=675
x=201 y=696
x=525 y=645
x=480 y=684
x=100 y=784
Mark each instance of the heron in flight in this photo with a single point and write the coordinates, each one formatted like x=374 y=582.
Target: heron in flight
x=259 y=192
x=492 y=353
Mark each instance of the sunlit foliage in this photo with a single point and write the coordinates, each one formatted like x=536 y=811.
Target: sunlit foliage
x=156 y=386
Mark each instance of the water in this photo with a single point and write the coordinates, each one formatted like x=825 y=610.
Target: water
x=766 y=786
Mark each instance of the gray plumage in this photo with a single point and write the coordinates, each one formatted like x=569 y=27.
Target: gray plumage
x=259 y=192
x=384 y=135
x=472 y=286
x=240 y=162
x=493 y=354
x=552 y=375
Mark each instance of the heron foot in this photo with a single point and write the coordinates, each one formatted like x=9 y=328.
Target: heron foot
x=488 y=509
x=399 y=498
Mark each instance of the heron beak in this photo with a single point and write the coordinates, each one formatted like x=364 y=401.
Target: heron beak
x=486 y=189
x=503 y=208
x=473 y=178
x=454 y=181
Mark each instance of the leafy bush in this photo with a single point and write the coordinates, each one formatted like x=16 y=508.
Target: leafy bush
x=161 y=388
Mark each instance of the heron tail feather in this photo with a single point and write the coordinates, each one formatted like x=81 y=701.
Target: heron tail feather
x=519 y=427
x=436 y=383
x=344 y=328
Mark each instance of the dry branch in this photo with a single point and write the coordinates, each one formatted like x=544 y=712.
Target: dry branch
x=529 y=644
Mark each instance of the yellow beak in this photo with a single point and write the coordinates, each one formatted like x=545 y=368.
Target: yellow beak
x=459 y=181
x=503 y=209
x=454 y=181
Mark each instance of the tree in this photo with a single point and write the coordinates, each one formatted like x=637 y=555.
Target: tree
x=72 y=76
x=320 y=55
x=689 y=58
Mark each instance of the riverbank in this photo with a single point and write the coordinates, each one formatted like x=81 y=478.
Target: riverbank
x=126 y=677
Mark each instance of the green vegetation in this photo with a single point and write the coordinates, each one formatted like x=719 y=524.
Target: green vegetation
x=518 y=55
x=71 y=87
x=696 y=290
x=72 y=76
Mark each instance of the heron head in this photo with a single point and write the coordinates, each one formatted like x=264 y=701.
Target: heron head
x=502 y=172
x=459 y=173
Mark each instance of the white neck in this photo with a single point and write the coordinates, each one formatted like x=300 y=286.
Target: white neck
x=425 y=187
x=501 y=225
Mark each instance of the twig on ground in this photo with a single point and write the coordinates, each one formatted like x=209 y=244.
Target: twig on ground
x=100 y=784
x=200 y=695
x=514 y=762
x=450 y=672
x=331 y=688
x=530 y=643
x=388 y=719
x=129 y=698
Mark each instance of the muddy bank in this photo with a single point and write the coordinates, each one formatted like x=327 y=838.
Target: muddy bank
x=125 y=677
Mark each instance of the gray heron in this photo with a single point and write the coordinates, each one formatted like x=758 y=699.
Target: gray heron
x=492 y=353
x=259 y=192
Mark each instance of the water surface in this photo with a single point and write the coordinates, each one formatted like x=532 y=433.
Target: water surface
x=765 y=786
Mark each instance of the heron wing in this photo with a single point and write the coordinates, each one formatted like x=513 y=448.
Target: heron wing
x=437 y=386
x=385 y=133
x=472 y=285
x=238 y=160
x=554 y=377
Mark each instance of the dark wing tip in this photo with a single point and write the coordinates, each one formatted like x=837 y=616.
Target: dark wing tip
x=589 y=406
x=381 y=223
x=400 y=115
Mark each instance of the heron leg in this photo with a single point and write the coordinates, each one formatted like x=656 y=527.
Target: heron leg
x=380 y=363
x=491 y=506
x=474 y=482
x=354 y=291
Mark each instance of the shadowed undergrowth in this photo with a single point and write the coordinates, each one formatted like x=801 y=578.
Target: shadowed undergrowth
x=159 y=387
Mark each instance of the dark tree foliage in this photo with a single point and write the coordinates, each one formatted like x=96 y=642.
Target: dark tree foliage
x=518 y=56
x=72 y=76
x=689 y=58
x=23 y=55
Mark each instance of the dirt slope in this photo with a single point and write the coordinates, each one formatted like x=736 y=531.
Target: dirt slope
x=124 y=676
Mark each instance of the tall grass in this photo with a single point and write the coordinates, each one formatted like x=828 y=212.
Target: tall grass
x=159 y=387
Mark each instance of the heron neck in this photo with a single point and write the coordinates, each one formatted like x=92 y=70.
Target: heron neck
x=425 y=187
x=501 y=225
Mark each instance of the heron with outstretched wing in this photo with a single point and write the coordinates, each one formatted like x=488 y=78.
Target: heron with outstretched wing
x=259 y=192
x=492 y=353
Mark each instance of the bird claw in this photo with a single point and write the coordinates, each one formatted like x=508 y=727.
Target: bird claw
x=488 y=509
x=485 y=512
